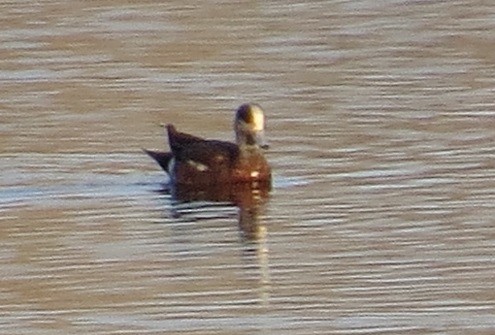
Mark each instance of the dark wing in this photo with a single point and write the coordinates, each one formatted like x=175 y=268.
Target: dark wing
x=178 y=140
x=210 y=153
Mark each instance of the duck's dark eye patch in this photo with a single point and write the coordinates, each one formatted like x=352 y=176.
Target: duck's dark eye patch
x=245 y=114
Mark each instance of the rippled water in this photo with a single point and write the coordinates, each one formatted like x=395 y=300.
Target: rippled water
x=381 y=123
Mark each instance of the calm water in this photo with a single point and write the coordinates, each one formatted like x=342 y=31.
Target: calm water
x=381 y=118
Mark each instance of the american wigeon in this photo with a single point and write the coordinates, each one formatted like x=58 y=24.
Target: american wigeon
x=202 y=162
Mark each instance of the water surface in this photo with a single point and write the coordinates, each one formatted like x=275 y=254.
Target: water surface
x=381 y=125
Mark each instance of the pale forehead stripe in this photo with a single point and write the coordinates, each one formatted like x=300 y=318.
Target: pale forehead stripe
x=258 y=118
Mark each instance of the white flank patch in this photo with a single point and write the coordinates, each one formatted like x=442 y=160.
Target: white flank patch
x=171 y=165
x=198 y=166
x=255 y=174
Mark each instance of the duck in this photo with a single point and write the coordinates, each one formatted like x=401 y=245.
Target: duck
x=199 y=162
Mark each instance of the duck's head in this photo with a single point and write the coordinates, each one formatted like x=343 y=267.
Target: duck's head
x=249 y=125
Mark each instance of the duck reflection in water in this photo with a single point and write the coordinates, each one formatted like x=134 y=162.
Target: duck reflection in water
x=219 y=171
x=250 y=201
x=191 y=204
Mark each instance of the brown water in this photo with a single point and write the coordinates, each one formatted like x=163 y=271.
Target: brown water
x=381 y=118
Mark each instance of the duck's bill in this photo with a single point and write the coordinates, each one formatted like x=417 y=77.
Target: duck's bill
x=261 y=141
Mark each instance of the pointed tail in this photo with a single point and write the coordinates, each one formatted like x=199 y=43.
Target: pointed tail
x=162 y=158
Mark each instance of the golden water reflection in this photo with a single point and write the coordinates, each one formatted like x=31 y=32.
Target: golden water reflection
x=250 y=200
